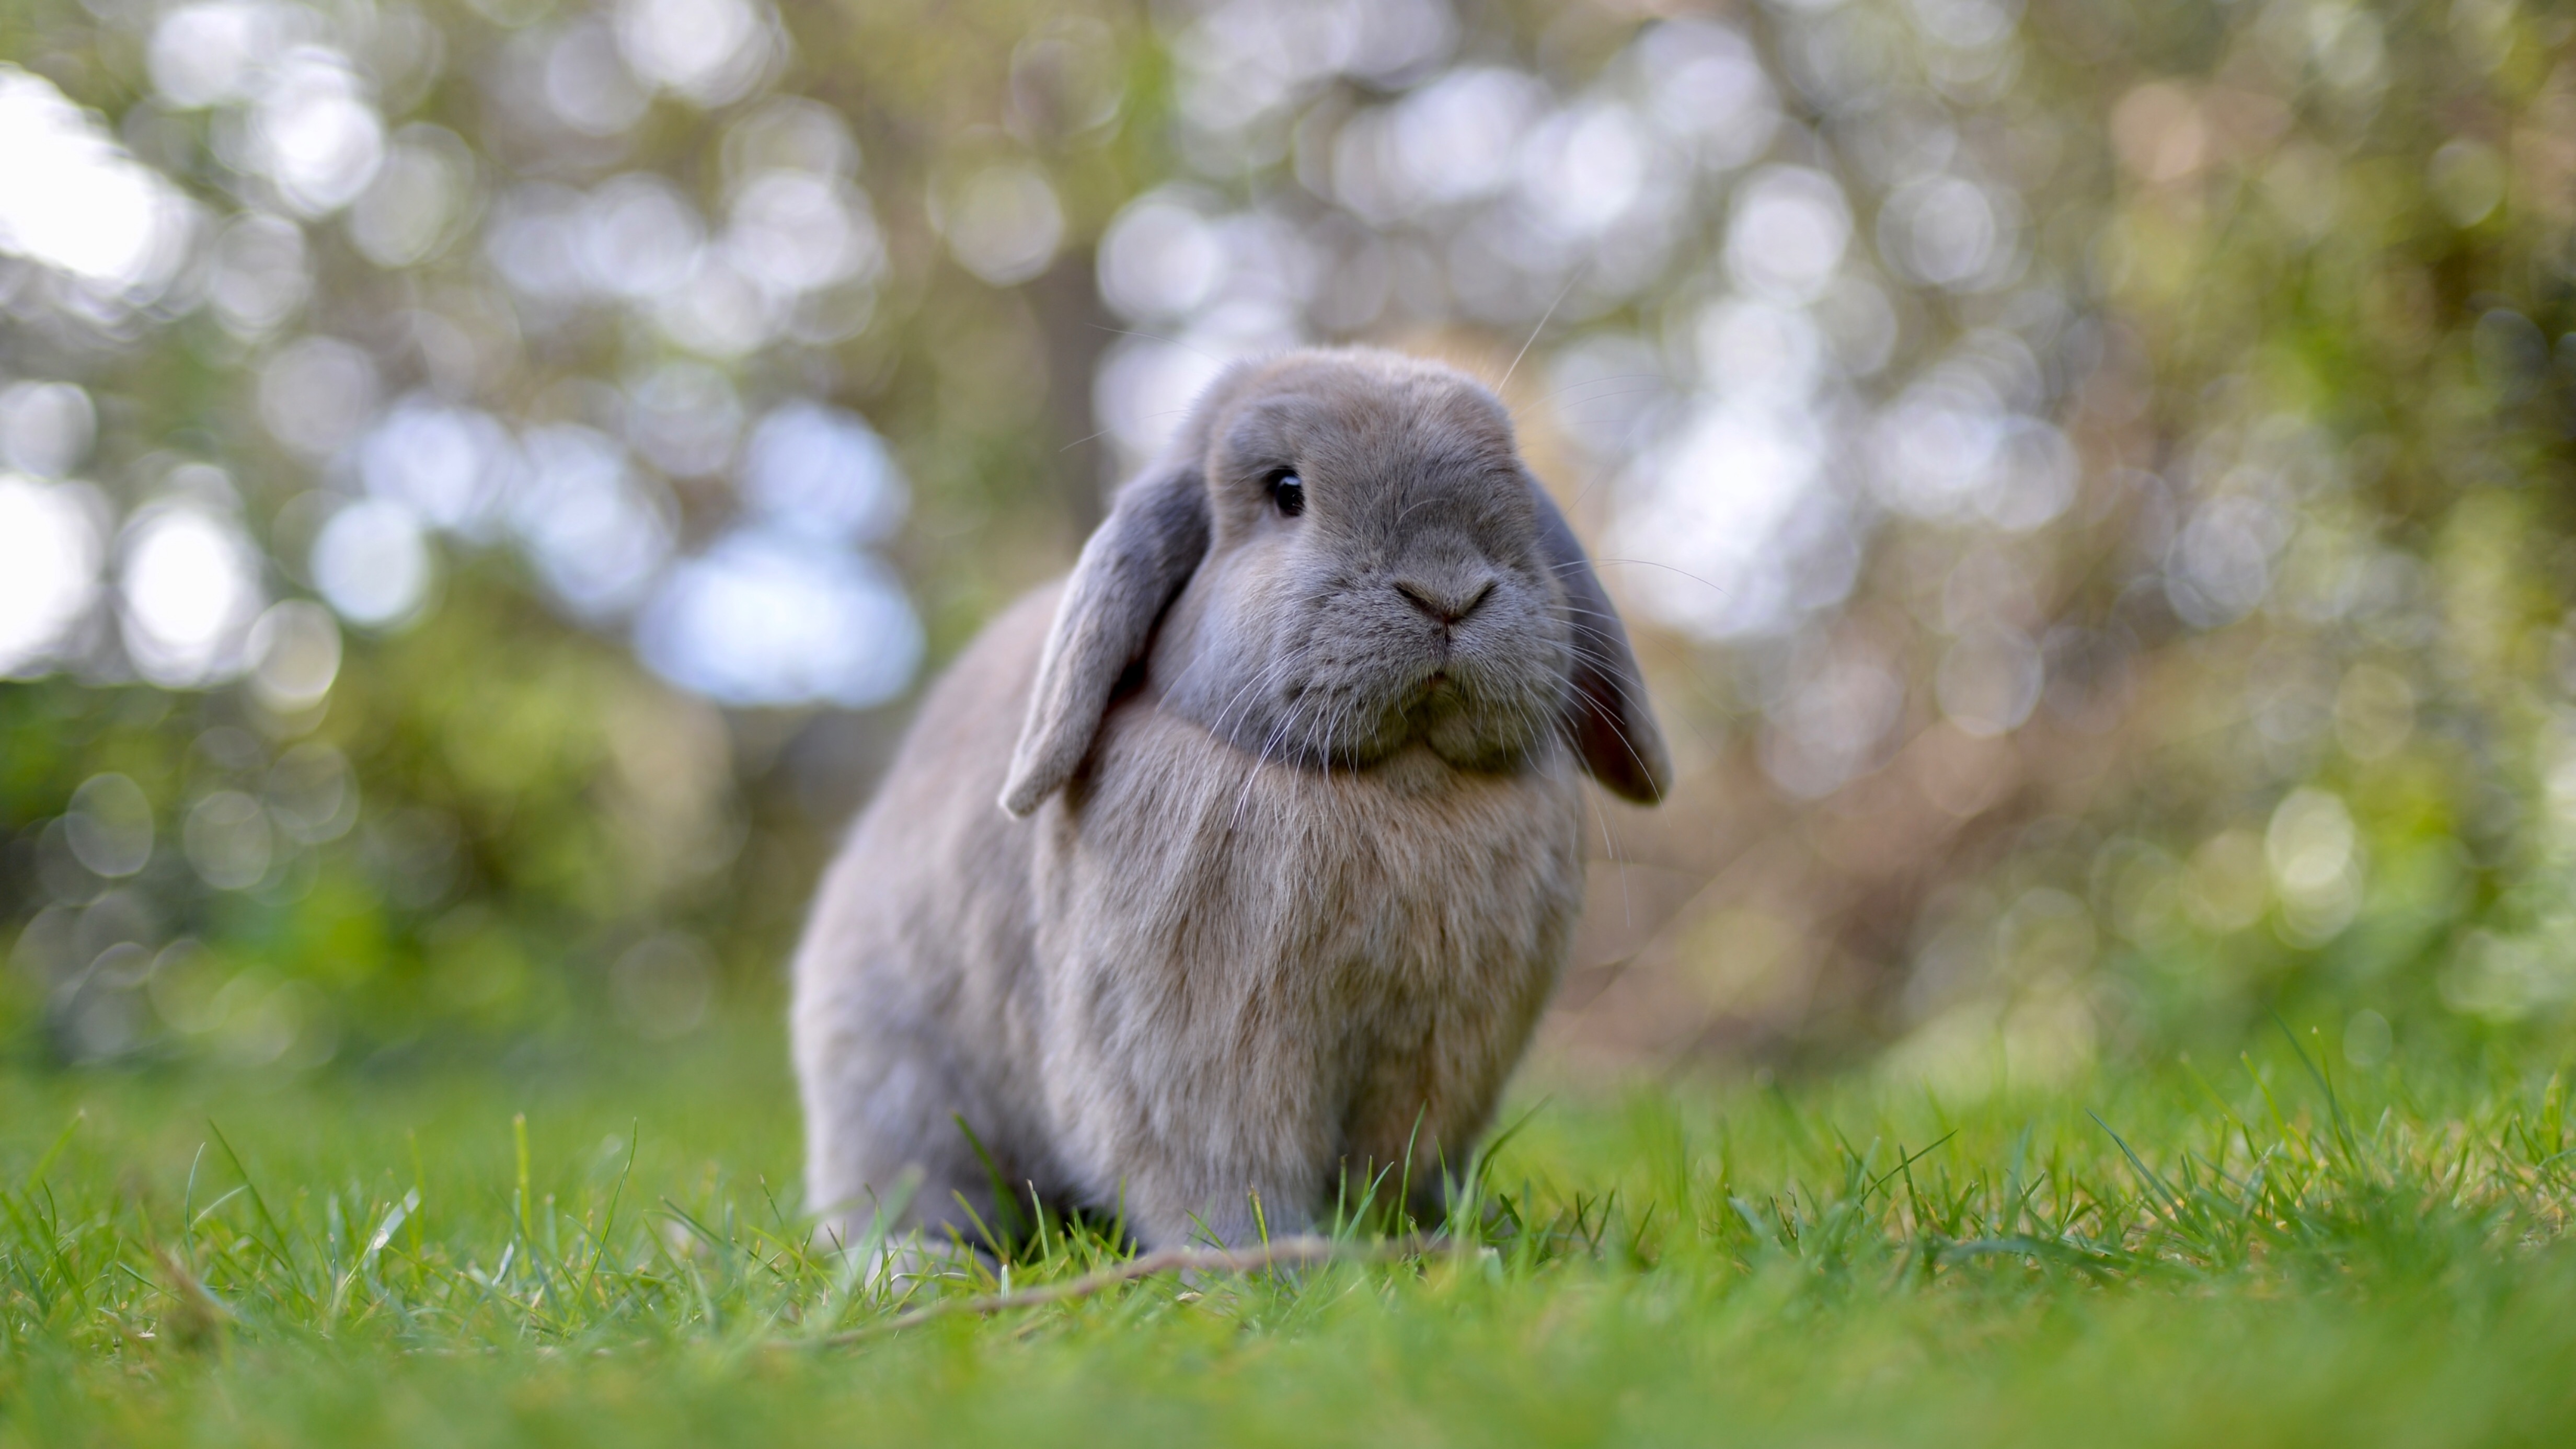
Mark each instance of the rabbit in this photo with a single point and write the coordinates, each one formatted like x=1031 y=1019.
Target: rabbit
x=1287 y=849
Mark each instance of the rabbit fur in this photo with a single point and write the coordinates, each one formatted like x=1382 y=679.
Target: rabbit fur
x=1288 y=849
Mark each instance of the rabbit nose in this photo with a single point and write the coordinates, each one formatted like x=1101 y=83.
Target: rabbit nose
x=1448 y=600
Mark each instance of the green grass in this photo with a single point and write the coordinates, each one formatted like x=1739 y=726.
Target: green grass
x=2237 y=1254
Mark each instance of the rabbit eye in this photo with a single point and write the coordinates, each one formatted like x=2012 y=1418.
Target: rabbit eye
x=1289 y=492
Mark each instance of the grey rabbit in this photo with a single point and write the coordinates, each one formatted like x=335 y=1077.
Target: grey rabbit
x=1288 y=846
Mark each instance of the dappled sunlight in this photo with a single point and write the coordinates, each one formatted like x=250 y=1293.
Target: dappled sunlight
x=484 y=486
x=2042 y=456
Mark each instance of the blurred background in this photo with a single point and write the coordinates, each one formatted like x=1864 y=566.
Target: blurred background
x=482 y=484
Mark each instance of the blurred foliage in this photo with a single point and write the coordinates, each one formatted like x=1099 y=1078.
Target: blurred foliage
x=2087 y=479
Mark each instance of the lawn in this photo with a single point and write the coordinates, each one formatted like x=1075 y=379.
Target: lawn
x=599 y=1245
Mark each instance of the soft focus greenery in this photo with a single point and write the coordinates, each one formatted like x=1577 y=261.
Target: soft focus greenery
x=2086 y=480
x=598 y=1253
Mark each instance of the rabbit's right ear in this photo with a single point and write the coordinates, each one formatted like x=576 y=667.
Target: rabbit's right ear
x=1135 y=563
x=1613 y=725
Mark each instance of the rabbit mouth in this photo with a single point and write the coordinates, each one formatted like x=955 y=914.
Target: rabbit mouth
x=1464 y=721
x=1478 y=709
x=1453 y=715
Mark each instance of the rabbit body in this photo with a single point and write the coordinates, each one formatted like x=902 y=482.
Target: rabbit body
x=1291 y=857
x=1151 y=1004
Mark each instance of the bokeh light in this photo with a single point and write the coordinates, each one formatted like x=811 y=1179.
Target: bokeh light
x=189 y=582
x=372 y=563
x=2081 y=481
x=765 y=617
x=51 y=547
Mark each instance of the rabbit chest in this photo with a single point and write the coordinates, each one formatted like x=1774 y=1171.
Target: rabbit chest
x=1273 y=970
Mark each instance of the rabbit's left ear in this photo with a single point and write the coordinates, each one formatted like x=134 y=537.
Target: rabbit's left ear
x=1134 y=564
x=1607 y=713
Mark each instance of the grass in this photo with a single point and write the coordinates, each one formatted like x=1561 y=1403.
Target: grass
x=608 y=1253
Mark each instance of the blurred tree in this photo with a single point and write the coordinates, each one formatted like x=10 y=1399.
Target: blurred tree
x=2085 y=477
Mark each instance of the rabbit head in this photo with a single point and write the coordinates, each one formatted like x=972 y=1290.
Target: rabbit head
x=1343 y=556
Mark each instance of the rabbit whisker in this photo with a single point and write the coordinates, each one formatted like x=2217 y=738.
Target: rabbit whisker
x=1543 y=320
x=1260 y=762
x=1610 y=847
x=1618 y=730
x=1643 y=563
x=1654 y=382
x=1261 y=682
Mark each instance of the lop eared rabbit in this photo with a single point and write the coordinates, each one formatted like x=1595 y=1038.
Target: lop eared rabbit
x=1288 y=844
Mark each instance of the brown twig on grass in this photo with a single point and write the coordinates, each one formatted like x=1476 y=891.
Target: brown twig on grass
x=1287 y=1252
x=197 y=1317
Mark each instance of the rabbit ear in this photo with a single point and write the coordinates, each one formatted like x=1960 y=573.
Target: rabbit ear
x=1609 y=718
x=1136 y=561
